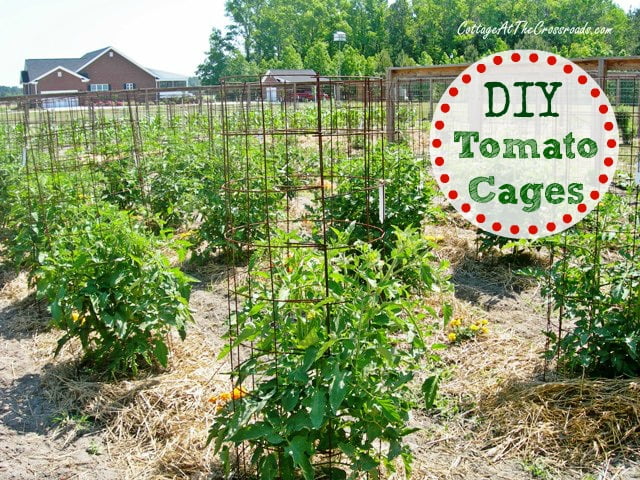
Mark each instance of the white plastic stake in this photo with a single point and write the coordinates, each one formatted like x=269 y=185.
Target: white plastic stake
x=381 y=202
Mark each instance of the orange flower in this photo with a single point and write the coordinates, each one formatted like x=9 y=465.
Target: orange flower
x=238 y=393
x=225 y=397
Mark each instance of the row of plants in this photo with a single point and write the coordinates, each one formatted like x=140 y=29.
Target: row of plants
x=97 y=264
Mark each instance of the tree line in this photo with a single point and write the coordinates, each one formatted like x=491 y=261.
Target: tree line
x=295 y=34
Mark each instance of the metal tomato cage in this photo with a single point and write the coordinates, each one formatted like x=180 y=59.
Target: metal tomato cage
x=294 y=152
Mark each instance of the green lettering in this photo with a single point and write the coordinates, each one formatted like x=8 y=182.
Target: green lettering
x=568 y=141
x=489 y=152
x=592 y=148
x=524 y=86
x=473 y=189
x=508 y=194
x=510 y=143
x=552 y=150
x=466 y=138
x=575 y=193
x=549 y=96
x=554 y=193
x=490 y=86
x=530 y=193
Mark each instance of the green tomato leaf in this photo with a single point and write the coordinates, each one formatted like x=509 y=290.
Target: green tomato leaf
x=338 y=390
x=252 y=432
x=161 y=352
x=269 y=467
x=430 y=390
x=300 y=449
x=318 y=408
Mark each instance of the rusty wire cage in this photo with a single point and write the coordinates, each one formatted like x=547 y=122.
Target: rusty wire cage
x=153 y=153
x=296 y=155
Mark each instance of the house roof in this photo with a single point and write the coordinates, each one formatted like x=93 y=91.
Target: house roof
x=38 y=67
x=167 y=76
x=291 y=76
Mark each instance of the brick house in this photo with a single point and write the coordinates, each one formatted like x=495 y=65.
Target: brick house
x=100 y=70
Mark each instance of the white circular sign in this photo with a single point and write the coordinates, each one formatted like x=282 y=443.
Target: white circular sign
x=524 y=143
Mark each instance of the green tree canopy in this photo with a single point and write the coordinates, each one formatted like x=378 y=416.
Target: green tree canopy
x=299 y=33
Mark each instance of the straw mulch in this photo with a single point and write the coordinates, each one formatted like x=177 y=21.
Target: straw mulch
x=154 y=427
x=574 y=421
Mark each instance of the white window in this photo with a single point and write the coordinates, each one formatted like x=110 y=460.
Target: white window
x=59 y=74
x=111 y=54
x=99 y=87
x=129 y=86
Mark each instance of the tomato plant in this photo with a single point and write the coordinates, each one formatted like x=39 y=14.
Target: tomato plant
x=596 y=286
x=331 y=374
x=108 y=286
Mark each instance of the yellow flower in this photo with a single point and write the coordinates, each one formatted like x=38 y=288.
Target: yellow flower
x=238 y=393
x=484 y=322
x=456 y=322
x=452 y=337
x=435 y=239
x=474 y=328
x=484 y=330
x=75 y=316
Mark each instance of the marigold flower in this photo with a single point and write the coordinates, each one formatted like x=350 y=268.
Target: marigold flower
x=452 y=337
x=239 y=392
x=225 y=397
x=75 y=316
x=474 y=328
x=484 y=330
x=456 y=322
x=483 y=322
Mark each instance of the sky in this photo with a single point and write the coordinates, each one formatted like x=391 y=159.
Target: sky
x=165 y=35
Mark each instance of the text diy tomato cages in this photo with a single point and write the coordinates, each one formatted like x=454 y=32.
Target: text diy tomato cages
x=569 y=95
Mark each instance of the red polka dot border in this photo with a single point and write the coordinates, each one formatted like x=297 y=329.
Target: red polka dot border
x=581 y=79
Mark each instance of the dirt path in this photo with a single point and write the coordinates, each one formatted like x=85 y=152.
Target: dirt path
x=37 y=440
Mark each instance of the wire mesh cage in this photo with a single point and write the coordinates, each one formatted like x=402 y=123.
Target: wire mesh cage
x=304 y=163
x=98 y=189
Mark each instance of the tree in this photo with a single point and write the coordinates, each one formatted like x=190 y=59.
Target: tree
x=290 y=58
x=425 y=59
x=318 y=59
x=634 y=40
x=353 y=63
x=383 y=61
x=215 y=64
x=238 y=65
x=399 y=25
x=10 y=91
x=404 y=60
x=244 y=14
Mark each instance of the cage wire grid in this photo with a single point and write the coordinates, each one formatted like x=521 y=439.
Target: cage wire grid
x=286 y=163
x=282 y=175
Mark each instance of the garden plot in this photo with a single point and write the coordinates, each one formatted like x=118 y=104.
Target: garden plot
x=160 y=196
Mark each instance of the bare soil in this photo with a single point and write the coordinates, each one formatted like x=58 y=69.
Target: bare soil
x=37 y=440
